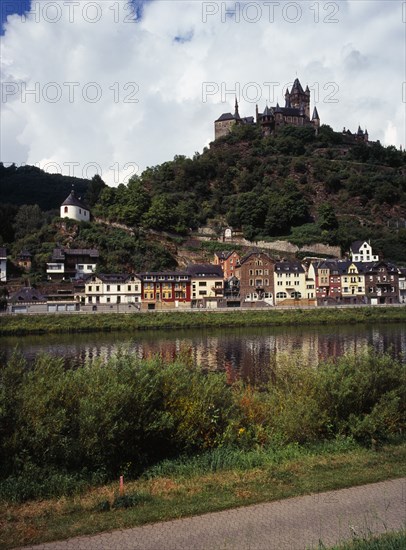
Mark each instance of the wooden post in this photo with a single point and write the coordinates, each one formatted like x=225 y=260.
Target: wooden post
x=121 y=486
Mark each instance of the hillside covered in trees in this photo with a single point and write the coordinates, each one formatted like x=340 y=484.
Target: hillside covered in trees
x=296 y=186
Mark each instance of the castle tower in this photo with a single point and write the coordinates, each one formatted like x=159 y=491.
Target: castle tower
x=298 y=97
x=236 y=113
x=316 y=120
x=267 y=121
x=287 y=98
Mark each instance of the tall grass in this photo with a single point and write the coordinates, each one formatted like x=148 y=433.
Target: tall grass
x=61 y=429
x=387 y=541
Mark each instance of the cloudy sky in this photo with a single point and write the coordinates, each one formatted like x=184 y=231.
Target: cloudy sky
x=112 y=87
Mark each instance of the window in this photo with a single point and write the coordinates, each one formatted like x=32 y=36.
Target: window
x=97 y=288
x=118 y=288
x=129 y=288
x=65 y=209
x=108 y=288
x=281 y=295
x=108 y=300
x=202 y=283
x=90 y=289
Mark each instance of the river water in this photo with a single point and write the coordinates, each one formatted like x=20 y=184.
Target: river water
x=243 y=352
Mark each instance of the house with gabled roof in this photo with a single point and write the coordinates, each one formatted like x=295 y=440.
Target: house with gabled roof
x=353 y=282
x=228 y=261
x=69 y=263
x=256 y=274
x=27 y=300
x=112 y=291
x=361 y=251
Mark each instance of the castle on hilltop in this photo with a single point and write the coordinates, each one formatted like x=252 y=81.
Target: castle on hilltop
x=296 y=112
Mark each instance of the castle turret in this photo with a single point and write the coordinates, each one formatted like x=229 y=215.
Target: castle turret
x=316 y=120
x=298 y=96
x=236 y=113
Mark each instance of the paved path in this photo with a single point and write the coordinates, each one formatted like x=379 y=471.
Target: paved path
x=293 y=524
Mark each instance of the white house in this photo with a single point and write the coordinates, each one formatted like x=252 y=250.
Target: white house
x=290 y=282
x=75 y=209
x=3 y=265
x=361 y=251
x=108 y=290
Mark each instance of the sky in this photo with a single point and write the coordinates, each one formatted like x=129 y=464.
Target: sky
x=112 y=87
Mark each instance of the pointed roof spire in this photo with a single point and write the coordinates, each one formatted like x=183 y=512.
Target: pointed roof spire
x=297 y=87
x=315 y=114
x=236 y=113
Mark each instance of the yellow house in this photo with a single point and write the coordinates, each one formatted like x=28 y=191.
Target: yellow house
x=353 y=282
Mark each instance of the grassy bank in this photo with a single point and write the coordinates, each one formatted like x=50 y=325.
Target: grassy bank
x=388 y=541
x=185 y=440
x=39 y=324
x=215 y=481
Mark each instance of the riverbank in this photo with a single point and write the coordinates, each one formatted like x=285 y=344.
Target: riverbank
x=21 y=325
x=187 y=490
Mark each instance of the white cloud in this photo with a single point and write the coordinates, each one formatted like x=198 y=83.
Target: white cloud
x=150 y=84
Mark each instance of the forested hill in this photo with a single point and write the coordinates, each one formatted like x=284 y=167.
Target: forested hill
x=295 y=186
x=31 y=185
x=299 y=186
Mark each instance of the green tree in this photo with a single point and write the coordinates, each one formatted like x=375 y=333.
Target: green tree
x=29 y=219
x=327 y=219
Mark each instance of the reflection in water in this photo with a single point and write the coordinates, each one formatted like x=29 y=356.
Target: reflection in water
x=248 y=353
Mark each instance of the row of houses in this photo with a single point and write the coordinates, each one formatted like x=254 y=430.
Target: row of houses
x=257 y=280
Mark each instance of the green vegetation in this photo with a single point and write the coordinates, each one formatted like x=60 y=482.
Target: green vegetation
x=62 y=430
x=275 y=187
x=185 y=441
x=39 y=324
x=387 y=541
x=294 y=186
